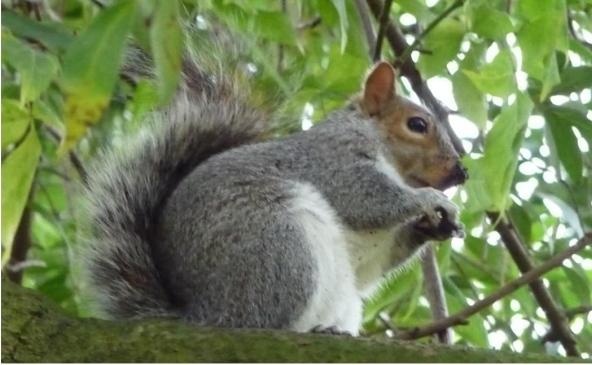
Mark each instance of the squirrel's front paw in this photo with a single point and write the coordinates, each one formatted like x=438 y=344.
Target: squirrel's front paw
x=439 y=220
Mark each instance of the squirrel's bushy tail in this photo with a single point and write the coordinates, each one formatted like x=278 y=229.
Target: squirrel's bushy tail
x=128 y=186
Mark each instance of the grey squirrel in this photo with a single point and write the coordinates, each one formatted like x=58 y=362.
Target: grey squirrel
x=197 y=219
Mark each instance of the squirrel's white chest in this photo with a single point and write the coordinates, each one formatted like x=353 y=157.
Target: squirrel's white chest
x=335 y=301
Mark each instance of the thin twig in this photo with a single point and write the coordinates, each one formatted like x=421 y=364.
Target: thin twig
x=21 y=243
x=280 y=60
x=384 y=20
x=584 y=309
x=402 y=58
x=98 y=3
x=435 y=292
x=573 y=33
x=366 y=25
x=522 y=258
x=526 y=278
x=314 y=22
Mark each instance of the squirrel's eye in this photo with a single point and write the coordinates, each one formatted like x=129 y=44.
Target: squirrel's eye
x=417 y=124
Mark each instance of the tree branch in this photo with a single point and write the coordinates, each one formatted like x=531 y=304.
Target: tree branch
x=572 y=31
x=551 y=336
x=21 y=244
x=526 y=278
x=524 y=262
x=280 y=59
x=435 y=292
x=384 y=20
x=398 y=43
x=36 y=330
x=314 y=22
x=366 y=24
x=584 y=309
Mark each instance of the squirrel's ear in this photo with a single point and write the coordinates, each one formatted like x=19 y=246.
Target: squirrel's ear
x=379 y=87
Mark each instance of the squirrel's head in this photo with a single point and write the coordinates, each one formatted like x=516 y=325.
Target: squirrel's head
x=420 y=145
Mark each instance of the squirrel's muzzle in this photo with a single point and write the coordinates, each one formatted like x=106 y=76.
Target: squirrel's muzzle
x=458 y=175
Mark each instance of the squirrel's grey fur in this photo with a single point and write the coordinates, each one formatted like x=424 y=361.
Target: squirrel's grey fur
x=194 y=220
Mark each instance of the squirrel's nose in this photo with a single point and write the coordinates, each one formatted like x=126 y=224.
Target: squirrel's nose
x=459 y=174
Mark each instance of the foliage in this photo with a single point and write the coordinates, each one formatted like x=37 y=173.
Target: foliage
x=516 y=73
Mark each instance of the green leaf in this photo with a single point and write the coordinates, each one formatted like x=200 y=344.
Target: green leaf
x=581 y=50
x=443 y=42
x=393 y=288
x=489 y=22
x=543 y=32
x=15 y=121
x=343 y=21
x=521 y=220
x=550 y=78
x=275 y=26
x=502 y=144
x=579 y=283
x=497 y=77
x=144 y=99
x=478 y=194
x=91 y=67
x=418 y=8
x=474 y=332
x=574 y=79
x=18 y=169
x=470 y=100
x=565 y=143
x=37 y=69
x=337 y=79
x=47 y=114
x=575 y=117
x=166 y=38
x=53 y=36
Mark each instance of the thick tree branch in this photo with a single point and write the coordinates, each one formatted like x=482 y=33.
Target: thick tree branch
x=524 y=262
x=398 y=43
x=526 y=278
x=35 y=330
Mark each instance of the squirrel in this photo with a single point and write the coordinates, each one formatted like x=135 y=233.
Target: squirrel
x=198 y=219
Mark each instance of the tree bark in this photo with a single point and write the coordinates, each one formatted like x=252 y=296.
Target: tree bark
x=36 y=330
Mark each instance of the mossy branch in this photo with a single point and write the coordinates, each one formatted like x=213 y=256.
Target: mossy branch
x=36 y=330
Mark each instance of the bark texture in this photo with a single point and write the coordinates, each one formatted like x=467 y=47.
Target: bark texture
x=36 y=330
